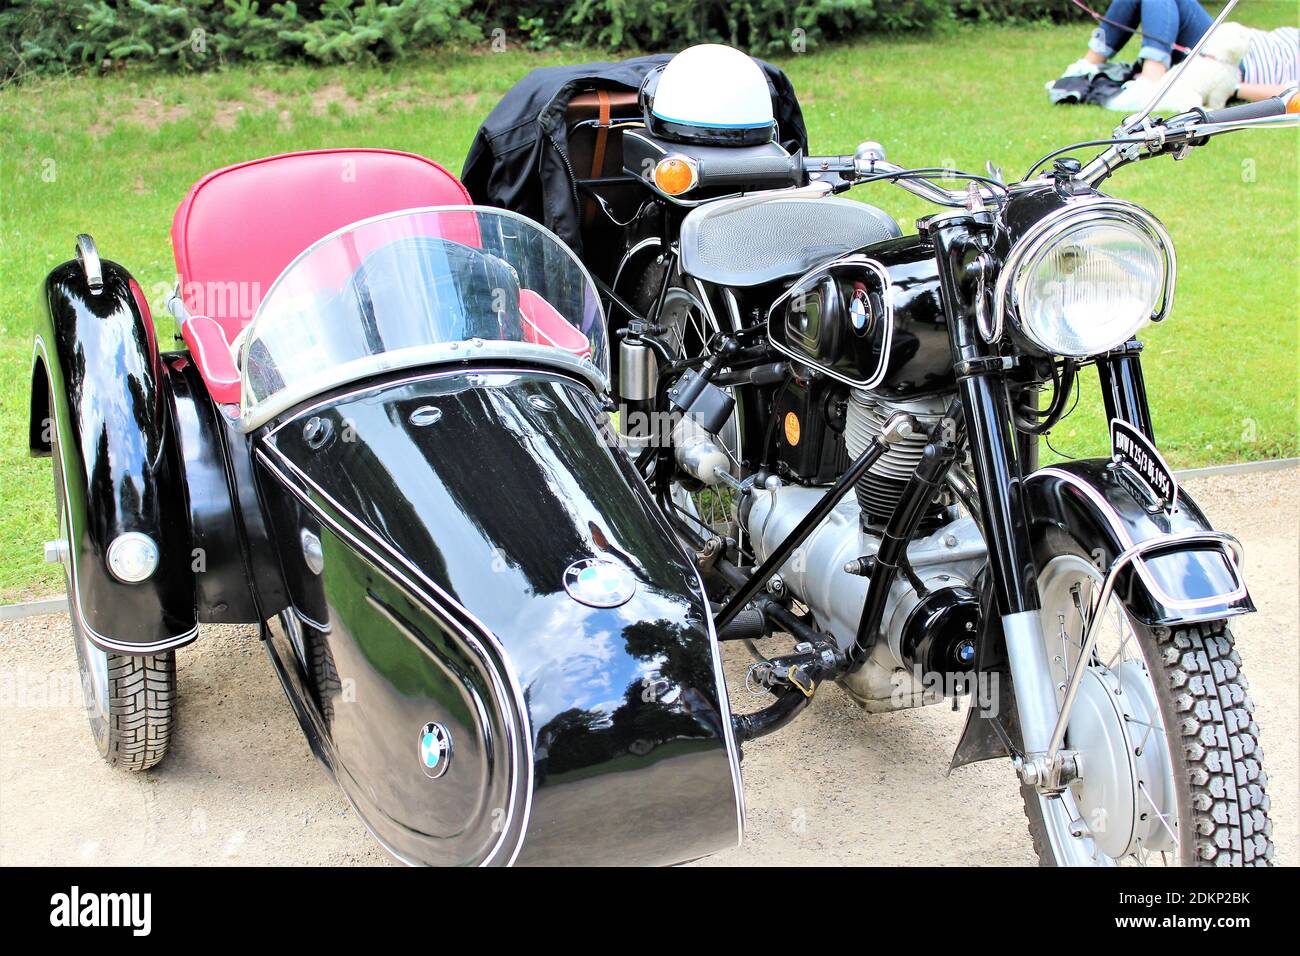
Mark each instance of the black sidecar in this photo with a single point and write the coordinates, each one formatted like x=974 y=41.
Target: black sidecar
x=387 y=446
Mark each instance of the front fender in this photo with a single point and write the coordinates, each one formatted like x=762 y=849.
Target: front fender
x=1091 y=502
x=96 y=363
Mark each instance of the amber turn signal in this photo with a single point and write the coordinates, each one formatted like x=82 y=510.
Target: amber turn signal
x=674 y=175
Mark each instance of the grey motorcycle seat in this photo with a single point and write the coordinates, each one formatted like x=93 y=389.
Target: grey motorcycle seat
x=753 y=240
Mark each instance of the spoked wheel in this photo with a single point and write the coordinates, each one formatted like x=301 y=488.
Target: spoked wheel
x=1170 y=760
x=130 y=699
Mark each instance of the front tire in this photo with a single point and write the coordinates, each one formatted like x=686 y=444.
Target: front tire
x=1197 y=794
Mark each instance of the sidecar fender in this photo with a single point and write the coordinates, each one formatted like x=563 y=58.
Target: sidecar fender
x=237 y=577
x=1091 y=502
x=97 y=385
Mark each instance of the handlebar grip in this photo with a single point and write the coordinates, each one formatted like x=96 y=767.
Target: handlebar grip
x=1273 y=106
x=768 y=171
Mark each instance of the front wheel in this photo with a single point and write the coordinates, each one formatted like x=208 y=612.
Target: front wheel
x=1170 y=757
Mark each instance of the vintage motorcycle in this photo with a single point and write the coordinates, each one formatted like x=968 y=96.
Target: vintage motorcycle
x=780 y=347
x=495 y=590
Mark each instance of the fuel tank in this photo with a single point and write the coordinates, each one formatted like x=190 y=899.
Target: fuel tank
x=495 y=641
x=872 y=320
x=919 y=357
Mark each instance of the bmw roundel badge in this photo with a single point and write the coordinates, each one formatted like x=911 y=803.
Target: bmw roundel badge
x=435 y=750
x=599 y=582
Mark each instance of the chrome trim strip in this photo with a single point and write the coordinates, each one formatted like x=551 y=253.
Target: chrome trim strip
x=425 y=588
x=250 y=330
x=1234 y=554
x=703 y=295
x=323 y=628
x=397 y=383
x=450 y=353
x=74 y=598
x=887 y=295
x=1050 y=227
x=733 y=307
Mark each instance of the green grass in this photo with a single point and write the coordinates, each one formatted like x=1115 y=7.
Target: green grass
x=114 y=155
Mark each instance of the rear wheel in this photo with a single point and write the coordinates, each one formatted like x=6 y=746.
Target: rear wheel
x=130 y=699
x=1171 y=764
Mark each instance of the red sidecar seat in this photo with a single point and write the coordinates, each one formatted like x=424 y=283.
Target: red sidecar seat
x=240 y=226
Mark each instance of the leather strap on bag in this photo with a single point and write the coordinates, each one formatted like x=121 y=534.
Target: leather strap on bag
x=598 y=151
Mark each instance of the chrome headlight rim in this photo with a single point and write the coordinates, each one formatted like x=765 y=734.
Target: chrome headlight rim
x=1016 y=271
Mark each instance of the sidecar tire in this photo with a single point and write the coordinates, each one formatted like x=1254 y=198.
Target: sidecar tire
x=141 y=709
x=326 y=675
x=1218 y=773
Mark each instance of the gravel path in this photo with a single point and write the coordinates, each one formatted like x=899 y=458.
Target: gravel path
x=837 y=787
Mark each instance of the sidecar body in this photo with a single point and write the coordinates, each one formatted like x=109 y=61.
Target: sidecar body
x=386 y=446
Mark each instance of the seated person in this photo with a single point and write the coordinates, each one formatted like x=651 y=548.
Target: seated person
x=1170 y=28
x=1271 y=63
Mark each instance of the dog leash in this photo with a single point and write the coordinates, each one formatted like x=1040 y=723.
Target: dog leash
x=1100 y=18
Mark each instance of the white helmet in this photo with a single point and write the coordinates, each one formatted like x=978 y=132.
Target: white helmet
x=709 y=94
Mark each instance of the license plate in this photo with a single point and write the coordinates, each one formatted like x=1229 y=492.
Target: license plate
x=1133 y=451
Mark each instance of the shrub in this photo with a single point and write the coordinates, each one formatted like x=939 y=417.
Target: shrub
x=46 y=35
x=761 y=26
x=41 y=35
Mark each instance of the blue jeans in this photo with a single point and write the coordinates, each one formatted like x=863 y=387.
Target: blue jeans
x=1164 y=23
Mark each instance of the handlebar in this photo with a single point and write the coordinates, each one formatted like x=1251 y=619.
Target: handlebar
x=781 y=172
x=1263 y=109
x=770 y=171
x=1151 y=138
x=1192 y=129
x=872 y=164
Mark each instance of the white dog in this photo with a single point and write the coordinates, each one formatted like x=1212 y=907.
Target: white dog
x=1212 y=77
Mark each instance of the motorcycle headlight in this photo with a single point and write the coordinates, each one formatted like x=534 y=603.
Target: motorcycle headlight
x=1088 y=278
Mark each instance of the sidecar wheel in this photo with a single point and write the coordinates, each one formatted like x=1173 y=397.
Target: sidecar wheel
x=129 y=703
x=1166 y=730
x=130 y=699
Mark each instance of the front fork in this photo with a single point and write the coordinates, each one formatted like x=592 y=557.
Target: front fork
x=1001 y=461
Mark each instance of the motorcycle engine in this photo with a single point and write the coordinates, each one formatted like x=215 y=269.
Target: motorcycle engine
x=880 y=488
x=924 y=640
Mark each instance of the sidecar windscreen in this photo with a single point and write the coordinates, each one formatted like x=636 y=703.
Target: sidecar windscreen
x=420 y=287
